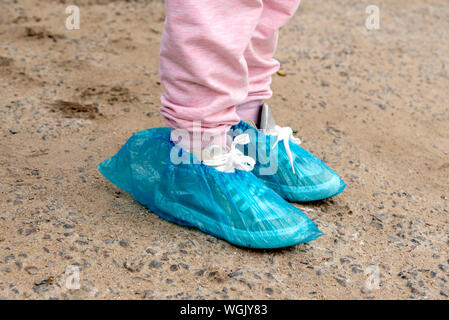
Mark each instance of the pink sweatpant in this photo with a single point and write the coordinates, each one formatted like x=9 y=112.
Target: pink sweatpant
x=216 y=58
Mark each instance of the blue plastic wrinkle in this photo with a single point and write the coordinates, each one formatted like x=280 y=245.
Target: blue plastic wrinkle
x=237 y=207
x=313 y=179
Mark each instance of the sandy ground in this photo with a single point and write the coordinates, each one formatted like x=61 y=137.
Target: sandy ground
x=374 y=105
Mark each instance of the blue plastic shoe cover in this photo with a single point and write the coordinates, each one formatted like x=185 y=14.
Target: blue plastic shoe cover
x=237 y=207
x=312 y=180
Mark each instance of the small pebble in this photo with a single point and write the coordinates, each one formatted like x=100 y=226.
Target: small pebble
x=124 y=243
x=155 y=264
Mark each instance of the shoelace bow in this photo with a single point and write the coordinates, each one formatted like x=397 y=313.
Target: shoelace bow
x=234 y=159
x=285 y=134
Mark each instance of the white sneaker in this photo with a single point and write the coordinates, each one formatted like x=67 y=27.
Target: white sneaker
x=226 y=159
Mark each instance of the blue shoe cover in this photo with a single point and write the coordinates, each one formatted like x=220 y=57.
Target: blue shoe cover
x=237 y=207
x=313 y=179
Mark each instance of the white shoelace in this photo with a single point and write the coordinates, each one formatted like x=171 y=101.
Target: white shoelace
x=234 y=158
x=285 y=134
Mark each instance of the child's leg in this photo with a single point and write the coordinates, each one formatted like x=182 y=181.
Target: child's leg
x=202 y=62
x=299 y=175
x=259 y=55
x=205 y=75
